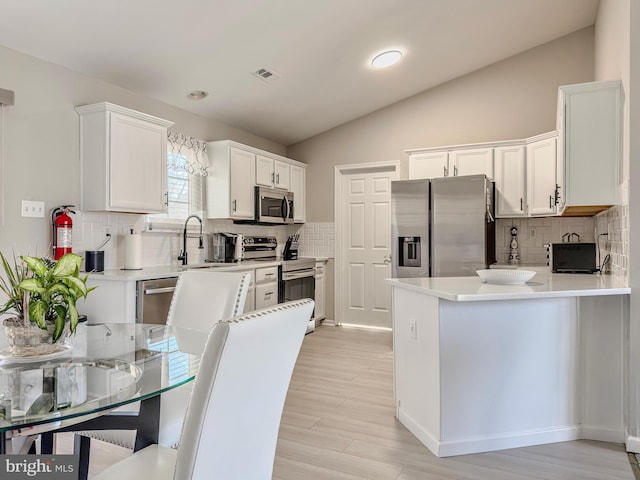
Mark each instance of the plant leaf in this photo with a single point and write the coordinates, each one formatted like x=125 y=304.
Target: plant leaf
x=57 y=288
x=67 y=265
x=80 y=289
x=32 y=285
x=60 y=321
x=73 y=314
x=36 y=265
x=38 y=312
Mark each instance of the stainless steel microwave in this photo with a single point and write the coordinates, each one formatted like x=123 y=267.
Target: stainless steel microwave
x=274 y=206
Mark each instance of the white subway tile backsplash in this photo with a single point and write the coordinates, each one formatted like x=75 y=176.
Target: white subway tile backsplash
x=317 y=239
x=547 y=230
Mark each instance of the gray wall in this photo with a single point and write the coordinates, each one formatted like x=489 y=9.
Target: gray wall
x=617 y=56
x=41 y=140
x=515 y=98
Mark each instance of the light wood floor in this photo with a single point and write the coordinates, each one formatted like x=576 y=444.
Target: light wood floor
x=339 y=423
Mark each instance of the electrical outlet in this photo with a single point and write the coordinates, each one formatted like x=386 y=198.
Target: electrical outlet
x=532 y=233
x=32 y=209
x=412 y=328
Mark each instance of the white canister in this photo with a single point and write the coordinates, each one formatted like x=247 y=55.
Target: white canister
x=132 y=251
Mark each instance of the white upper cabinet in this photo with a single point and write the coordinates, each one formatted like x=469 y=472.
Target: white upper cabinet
x=541 y=177
x=298 y=187
x=590 y=145
x=272 y=173
x=510 y=178
x=230 y=183
x=428 y=165
x=123 y=158
x=450 y=162
x=473 y=161
x=235 y=172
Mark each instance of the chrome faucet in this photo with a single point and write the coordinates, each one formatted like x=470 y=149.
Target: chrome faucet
x=183 y=254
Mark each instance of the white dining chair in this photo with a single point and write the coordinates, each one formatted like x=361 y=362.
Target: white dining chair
x=232 y=421
x=201 y=299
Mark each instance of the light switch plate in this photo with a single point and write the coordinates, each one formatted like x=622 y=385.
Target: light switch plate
x=32 y=209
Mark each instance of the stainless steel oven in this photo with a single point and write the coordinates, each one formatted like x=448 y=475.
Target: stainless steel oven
x=154 y=299
x=298 y=281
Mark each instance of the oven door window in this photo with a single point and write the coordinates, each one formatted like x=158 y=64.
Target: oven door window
x=299 y=288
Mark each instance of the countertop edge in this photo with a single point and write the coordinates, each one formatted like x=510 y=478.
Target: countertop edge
x=506 y=295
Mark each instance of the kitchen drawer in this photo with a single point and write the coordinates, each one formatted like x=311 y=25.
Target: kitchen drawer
x=266 y=295
x=269 y=274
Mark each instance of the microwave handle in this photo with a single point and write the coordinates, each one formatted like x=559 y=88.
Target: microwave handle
x=285 y=208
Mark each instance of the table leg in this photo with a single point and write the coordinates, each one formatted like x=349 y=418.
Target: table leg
x=46 y=443
x=82 y=447
x=148 y=423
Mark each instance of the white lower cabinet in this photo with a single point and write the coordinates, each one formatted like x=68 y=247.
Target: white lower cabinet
x=320 y=312
x=266 y=287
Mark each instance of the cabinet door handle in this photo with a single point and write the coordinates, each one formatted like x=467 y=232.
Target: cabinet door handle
x=455 y=171
x=445 y=171
x=166 y=198
x=268 y=274
x=550 y=201
x=273 y=177
x=235 y=204
x=521 y=204
x=268 y=294
x=277 y=179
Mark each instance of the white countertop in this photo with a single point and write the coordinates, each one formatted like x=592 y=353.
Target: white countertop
x=168 y=271
x=542 y=285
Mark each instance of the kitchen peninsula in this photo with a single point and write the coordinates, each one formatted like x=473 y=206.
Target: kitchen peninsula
x=481 y=367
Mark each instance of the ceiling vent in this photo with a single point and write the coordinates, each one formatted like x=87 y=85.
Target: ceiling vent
x=265 y=74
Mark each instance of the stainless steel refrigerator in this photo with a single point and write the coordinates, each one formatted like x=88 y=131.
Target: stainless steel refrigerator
x=443 y=227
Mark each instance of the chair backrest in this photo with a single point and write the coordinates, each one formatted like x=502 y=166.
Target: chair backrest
x=203 y=297
x=231 y=426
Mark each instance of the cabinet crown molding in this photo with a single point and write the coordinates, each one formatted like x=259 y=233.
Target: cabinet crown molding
x=111 y=107
x=257 y=151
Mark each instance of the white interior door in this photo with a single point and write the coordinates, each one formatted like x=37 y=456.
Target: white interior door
x=365 y=244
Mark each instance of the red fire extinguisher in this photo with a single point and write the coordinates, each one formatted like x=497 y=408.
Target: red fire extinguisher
x=62 y=230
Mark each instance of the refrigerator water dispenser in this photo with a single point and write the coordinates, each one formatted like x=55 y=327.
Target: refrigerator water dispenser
x=409 y=254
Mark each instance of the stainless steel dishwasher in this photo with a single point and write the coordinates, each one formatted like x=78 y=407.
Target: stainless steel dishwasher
x=154 y=299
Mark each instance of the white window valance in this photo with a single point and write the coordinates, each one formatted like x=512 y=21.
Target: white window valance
x=188 y=152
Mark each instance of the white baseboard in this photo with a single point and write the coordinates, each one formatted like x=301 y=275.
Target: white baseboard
x=633 y=444
x=602 y=434
x=421 y=434
x=509 y=440
x=489 y=443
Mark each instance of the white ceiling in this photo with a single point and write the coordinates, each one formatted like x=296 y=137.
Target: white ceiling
x=320 y=49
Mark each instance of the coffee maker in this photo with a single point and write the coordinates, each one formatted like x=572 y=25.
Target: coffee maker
x=225 y=247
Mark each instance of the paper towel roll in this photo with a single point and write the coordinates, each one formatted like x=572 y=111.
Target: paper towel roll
x=133 y=251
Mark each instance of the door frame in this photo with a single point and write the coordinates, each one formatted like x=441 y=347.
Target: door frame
x=339 y=172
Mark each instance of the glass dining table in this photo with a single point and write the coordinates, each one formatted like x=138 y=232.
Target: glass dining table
x=103 y=367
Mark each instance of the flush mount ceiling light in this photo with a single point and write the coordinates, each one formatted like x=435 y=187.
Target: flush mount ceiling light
x=386 y=59
x=197 y=95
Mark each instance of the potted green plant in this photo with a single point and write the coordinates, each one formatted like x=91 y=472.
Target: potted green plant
x=41 y=293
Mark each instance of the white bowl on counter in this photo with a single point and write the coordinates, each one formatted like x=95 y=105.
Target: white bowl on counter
x=504 y=276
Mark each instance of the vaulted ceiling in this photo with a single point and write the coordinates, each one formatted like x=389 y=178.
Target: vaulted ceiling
x=319 y=49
